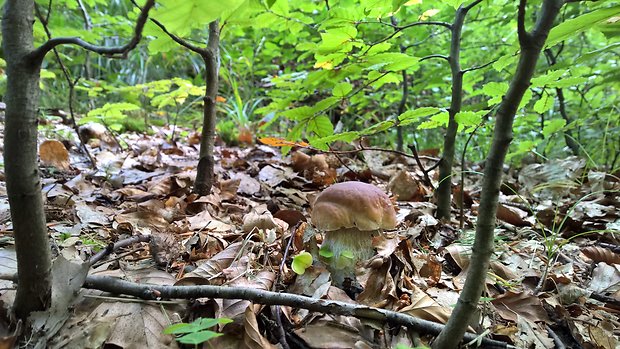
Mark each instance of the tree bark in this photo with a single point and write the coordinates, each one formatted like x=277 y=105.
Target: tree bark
x=20 y=147
x=205 y=171
x=531 y=46
x=21 y=163
x=444 y=190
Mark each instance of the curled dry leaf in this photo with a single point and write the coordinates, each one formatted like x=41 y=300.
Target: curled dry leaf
x=215 y=266
x=510 y=305
x=262 y=221
x=424 y=307
x=252 y=337
x=405 y=187
x=512 y=215
x=600 y=254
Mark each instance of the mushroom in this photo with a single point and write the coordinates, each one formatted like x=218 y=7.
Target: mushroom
x=350 y=214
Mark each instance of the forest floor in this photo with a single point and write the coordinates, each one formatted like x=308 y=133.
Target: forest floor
x=554 y=276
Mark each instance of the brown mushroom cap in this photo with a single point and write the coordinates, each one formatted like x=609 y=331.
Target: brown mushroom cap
x=353 y=205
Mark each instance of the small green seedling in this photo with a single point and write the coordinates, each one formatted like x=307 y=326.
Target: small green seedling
x=346 y=260
x=325 y=252
x=301 y=262
x=196 y=332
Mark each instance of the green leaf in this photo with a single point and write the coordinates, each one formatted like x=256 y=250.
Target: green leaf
x=437 y=120
x=504 y=61
x=198 y=337
x=337 y=39
x=347 y=137
x=195 y=326
x=381 y=79
x=577 y=25
x=552 y=127
x=568 y=82
x=325 y=252
x=544 y=103
x=299 y=114
x=325 y=104
x=179 y=328
x=391 y=61
x=347 y=254
x=549 y=77
x=301 y=262
x=376 y=128
x=113 y=109
x=454 y=3
x=411 y=116
x=342 y=89
x=495 y=90
x=469 y=118
x=321 y=126
x=180 y=17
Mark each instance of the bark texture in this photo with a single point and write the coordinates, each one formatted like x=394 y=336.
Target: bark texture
x=20 y=160
x=205 y=171
x=531 y=46
x=444 y=190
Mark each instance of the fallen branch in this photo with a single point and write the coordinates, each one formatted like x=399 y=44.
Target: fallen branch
x=119 y=244
x=151 y=292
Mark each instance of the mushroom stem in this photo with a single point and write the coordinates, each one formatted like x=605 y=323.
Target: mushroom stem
x=356 y=242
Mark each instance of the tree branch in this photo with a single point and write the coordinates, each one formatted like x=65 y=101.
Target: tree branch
x=521 y=31
x=114 y=52
x=446 y=58
x=151 y=292
x=482 y=66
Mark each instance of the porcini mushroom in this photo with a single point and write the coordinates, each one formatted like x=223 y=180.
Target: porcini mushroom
x=350 y=214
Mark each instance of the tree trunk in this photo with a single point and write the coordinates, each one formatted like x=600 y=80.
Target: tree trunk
x=20 y=159
x=531 y=46
x=205 y=171
x=444 y=190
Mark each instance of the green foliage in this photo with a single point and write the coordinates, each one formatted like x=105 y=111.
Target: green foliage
x=113 y=115
x=301 y=262
x=196 y=332
x=325 y=75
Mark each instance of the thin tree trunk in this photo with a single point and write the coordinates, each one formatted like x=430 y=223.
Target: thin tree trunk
x=444 y=190
x=20 y=159
x=531 y=46
x=205 y=171
x=568 y=137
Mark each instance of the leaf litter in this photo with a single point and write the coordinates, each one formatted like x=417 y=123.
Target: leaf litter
x=555 y=272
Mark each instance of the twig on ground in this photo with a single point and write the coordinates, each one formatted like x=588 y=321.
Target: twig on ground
x=119 y=244
x=118 y=286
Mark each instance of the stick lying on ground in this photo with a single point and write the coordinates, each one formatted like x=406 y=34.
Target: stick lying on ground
x=151 y=292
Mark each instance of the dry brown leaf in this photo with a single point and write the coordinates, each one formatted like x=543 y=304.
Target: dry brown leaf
x=424 y=307
x=247 y=184
x=252 y=337
x=213 y=267
x=431 y=270
x=512 y=215
x=380 y=289
x=229 y=189
x=54 y=153
x=262 y=221
x=603 y=335
x=405 y=187
x=605 y=278
x=460 y=254
x=511 y=305
x=329 y=334
x=531 y=335
x=600 y=254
